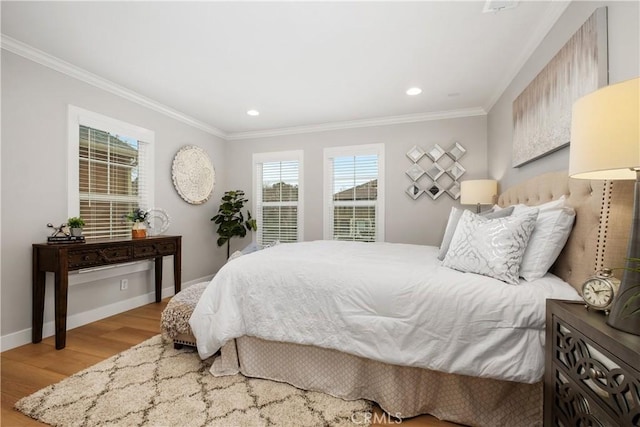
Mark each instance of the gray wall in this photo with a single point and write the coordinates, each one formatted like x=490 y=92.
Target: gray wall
x=624 y=64
x=420 y=221
x=34 y=186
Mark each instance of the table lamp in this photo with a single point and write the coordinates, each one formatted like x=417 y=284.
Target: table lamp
x=605 y=144
x=478 y=192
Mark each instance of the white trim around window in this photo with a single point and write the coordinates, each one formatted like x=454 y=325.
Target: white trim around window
x=330 y=154
x=78 y=117
x=290 y=160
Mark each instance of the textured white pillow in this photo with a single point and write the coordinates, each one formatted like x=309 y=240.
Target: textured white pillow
x=547 y=240
x=491 y=247
x=454 y=217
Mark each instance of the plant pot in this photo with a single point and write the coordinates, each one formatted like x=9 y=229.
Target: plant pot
x=139 y=231
x=76 y=231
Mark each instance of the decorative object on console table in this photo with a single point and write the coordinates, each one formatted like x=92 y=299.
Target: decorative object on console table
x=62 y=258
x=605 y=144
x=478 y=192
x=139 y=219
x=65 y=239
x=75 y=224
x=61 y=234
x=592 y=377
x=158 y=221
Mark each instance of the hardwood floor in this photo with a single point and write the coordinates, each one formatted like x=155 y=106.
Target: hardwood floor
x=31 y=367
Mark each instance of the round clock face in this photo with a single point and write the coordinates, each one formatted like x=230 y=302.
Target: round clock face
x=597 y=293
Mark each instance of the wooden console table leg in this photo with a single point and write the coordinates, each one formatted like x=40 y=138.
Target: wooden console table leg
x=177 y=267
x=38 y=287
x=61 y=291
x=158 y=279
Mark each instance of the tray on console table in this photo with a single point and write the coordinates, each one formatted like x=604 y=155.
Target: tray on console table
x=60 y=258
x=592 y=371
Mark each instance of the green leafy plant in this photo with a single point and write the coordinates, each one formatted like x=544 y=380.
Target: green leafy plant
x=75 y=222
x=230 y=220
x=137 y=215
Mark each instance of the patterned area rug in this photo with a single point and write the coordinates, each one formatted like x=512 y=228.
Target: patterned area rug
x=152 y=384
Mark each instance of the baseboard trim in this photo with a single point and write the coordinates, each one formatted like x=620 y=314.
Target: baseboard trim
x=16 y=339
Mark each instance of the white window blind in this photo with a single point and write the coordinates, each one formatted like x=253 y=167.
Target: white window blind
x=355 y=203
x=111 y=172
x=278 y=197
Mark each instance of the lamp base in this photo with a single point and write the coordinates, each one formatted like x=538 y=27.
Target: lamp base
x=625 y=312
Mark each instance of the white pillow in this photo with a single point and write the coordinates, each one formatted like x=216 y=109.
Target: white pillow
x=547 y=240
x=454 y=217
x=491 y=247
x=553 y=204
x=452 y=223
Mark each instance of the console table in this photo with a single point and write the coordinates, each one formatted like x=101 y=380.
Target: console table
x=60 y=258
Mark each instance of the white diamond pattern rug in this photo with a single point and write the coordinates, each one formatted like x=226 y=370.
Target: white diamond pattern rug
x=153 y=384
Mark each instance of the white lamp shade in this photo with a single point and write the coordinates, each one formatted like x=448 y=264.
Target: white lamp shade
x=605 y=133
x=476 y=191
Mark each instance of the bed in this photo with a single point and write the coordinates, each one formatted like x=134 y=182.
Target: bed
x=450 y=366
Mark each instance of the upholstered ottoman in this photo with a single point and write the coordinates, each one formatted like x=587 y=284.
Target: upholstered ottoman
x=174 y=323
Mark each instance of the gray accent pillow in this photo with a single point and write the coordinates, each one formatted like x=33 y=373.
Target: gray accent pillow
x=493 y=214
x=454 y=217
x=491 y=247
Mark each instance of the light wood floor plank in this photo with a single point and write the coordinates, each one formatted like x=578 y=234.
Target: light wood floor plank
x=27 y=369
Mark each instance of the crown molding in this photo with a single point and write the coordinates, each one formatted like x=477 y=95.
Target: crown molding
x=381 y=121
x=29 y=52
x=555 y=10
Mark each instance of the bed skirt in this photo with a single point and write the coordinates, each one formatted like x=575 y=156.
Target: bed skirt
x=399 y=390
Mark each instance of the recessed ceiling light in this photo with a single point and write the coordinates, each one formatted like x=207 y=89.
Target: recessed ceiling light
x=495 y=6
x=253 y=112
x=414 y=91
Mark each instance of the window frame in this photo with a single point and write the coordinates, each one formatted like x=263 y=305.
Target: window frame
x=348 y=151
x=279 y=156
x=80 y=117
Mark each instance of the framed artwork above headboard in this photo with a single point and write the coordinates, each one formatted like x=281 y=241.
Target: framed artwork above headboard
x=542 y=112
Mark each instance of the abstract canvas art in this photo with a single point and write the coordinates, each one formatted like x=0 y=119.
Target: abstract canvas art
x=542 y=112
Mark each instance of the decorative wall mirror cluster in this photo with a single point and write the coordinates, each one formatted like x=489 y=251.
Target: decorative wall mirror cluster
x=437 y=175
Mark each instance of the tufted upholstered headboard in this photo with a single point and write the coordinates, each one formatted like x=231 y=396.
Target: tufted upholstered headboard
x=603 y=221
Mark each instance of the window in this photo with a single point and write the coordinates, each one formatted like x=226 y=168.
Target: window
x=110 y=173
x=279 y=196
x=354 y=193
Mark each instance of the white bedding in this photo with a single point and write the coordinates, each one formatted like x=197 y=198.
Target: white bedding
x=389 y=302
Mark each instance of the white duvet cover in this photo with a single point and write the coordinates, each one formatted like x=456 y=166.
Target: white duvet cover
x=389 y=302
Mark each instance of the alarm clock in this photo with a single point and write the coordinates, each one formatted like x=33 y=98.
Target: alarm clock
x=599 y=291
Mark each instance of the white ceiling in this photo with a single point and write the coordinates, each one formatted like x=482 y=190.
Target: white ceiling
x=301 y=64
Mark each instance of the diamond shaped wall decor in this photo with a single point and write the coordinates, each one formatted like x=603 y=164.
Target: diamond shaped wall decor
x=415 y=171
x=443 y=173
x=415 y=154
x=456 y=151
x=414 y=191
x=434 y=191
x=435 y=153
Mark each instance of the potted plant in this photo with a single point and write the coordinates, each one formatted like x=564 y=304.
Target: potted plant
x=230 y=220
x=139 y=219
x=75 y=224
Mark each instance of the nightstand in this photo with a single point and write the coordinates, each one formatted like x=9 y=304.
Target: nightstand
x=592 y=371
